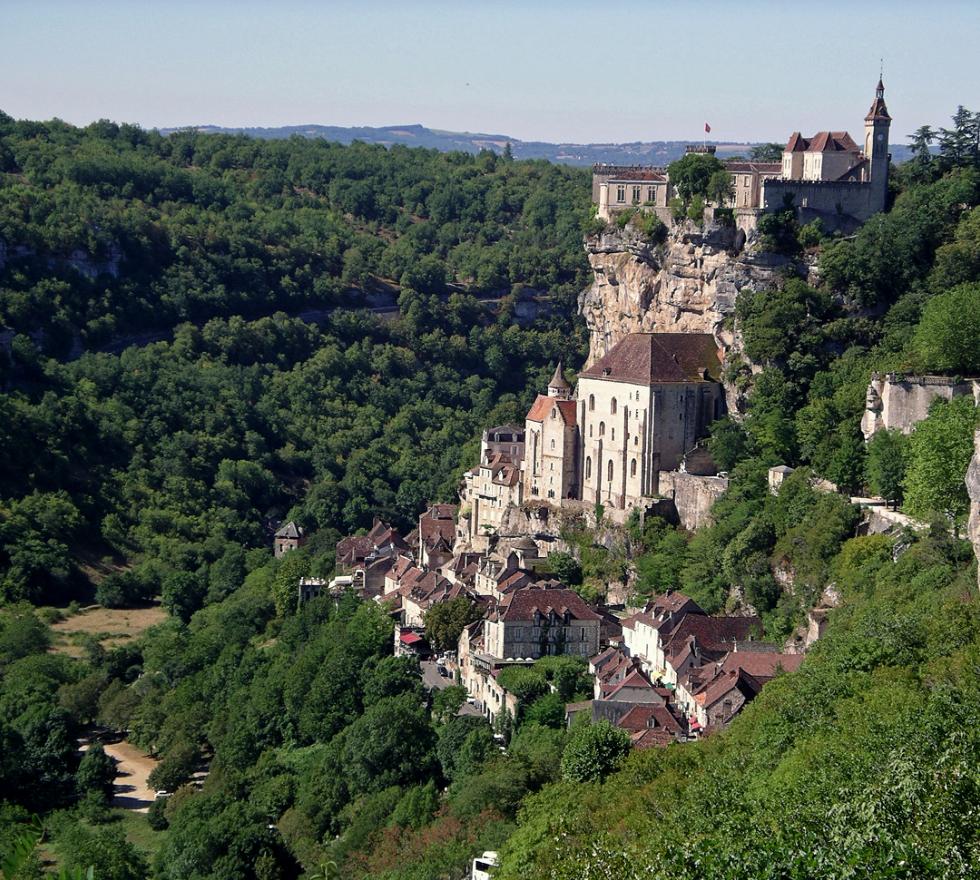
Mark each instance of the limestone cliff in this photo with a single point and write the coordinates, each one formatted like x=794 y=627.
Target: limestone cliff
x=686 y=284
x=973 y=488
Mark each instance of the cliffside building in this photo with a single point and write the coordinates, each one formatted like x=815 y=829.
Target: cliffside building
x=825 y=176
x=551 y=444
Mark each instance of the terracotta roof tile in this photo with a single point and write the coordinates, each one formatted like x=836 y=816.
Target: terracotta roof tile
x=542 y=406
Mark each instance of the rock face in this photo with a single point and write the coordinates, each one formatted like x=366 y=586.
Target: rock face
x=973 y=488
x=686 y=284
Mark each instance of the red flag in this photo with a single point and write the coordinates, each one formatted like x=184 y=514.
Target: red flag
x=707 y=127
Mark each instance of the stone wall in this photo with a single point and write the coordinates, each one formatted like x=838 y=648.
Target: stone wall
x=973 y=488
x=899 y=402
x=692 y=496
x=838 y=204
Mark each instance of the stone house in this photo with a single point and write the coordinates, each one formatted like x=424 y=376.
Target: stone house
x=437 y=535
x=641 y=631
x=532 y=623
x=288 y=537
x=493 y=486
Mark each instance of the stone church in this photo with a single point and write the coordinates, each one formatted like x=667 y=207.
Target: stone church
x=636 y=412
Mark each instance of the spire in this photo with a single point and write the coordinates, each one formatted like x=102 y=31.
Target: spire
x=878 y=111
x=558 y=386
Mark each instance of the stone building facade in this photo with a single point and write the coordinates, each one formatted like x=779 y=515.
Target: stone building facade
x=640 y=408
x=826 y=176
x=533 y=623
x=551 y=444
x=898 y=402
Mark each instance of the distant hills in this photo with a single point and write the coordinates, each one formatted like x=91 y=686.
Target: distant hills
x=638 y=152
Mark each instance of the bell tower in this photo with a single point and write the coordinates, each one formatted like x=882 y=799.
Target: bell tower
x=876 y=125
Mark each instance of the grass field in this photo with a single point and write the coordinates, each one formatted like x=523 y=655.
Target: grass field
x=111 y=626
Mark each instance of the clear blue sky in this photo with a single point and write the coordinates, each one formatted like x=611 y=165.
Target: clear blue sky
x=537 y=69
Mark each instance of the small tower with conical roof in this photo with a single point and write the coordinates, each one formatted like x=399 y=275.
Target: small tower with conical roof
x=558 y=386
x=876 y=125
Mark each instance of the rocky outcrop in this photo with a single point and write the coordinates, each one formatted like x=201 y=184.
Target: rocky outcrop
x=973 y=488
x=686 y=284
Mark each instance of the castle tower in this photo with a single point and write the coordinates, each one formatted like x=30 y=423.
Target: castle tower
x=558 y=386
x=876 y=125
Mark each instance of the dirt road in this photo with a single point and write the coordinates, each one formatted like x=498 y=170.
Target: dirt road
x=132 y=769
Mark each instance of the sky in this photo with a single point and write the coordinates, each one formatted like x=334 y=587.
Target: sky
x=535 y=70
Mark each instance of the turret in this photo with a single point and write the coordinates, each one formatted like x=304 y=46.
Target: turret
x=876 y=125
x=558 y=386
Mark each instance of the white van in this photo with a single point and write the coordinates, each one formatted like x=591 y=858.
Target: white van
x=482 y=866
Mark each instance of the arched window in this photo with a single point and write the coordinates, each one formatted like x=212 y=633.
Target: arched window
x=591 y=402
x=633 y=468
x=609 y=470
x=588 y=466
x=602 y=429
x=554 y=412
x=612 y=406
x=590 y=430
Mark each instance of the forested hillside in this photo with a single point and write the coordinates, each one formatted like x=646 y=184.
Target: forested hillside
x=162 y=467
x=154 y=472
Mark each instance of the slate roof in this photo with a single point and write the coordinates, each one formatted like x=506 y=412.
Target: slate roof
x=650 y=358
x=522 y=604
x=541 y=409
x=289 y=530
x=559 y=380
x=878 y=109
x=638 y=174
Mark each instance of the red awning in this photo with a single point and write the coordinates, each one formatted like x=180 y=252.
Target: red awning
x=410 y=638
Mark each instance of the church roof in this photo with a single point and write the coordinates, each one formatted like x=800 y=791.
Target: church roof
x=559 y=380
x=878 y=109
x=541 y=409
x=650 y=358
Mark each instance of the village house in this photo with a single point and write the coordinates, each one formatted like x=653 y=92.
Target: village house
x=493 y=486
x=532 y=623
x=288 y=537
x=714 y=693
x=437 y=535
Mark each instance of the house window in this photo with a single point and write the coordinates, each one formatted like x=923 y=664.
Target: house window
x=745 y=181
x=609 y=470
x=554 y=413
x=588 y=466
x=636 y=195
x=651 y=194
x=590 y=430
x=591 y=402
x=633 y=468
x=613 y=433
x=620 y=194
x=612 y=406
x=602 y=429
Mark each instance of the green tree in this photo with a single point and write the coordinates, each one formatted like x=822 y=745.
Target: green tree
x=691 y=174
x=445 y=621
x=720 y=189
x=593 y=752
x=939 y=452
x=771 y=152
x=96 y=773
x=885 y=464
x=947 y=338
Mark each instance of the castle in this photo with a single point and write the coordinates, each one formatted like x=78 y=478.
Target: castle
x=636 y=412
x=827 y=176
